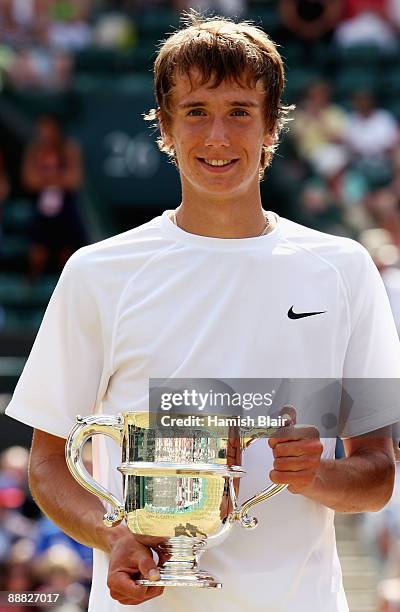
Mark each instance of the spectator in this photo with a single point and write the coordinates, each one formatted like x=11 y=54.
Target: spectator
x=18 y=19
x=48 y=535
x=320 y=209
x=40 y=68
x=14 y=465
x=381 y=533
x=382 y=205
x=310 y=20
x=69 y=35
x=114 y=30
x=14 y=526
x=60 y=75
x=17 y=576
x=52 y=172
x=13 y=476
x=319 y=125
x=34 y=554
x=23 y=70
x=386 y=256
x=368 y=25
x=372 y=133
x=59 y=570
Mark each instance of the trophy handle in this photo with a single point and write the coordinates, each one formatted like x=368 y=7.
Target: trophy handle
x=86 y=427
x=240 y=513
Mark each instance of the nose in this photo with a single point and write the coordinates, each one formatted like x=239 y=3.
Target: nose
x=217 y=135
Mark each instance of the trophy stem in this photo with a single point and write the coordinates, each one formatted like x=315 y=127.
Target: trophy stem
x=179 y=564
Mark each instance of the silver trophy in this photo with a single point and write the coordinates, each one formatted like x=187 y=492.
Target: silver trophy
x=180 y=489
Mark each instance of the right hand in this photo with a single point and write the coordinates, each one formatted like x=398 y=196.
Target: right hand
x=130 y=559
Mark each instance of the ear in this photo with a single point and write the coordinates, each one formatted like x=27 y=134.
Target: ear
x=270 y=138
x=167 y=138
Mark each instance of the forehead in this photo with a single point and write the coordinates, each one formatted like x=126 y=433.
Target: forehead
x=188 y=87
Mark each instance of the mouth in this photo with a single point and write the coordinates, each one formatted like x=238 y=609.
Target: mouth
x=218 y=166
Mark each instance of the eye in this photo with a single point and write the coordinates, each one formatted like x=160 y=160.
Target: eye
x=240 y=113
x=195 y=112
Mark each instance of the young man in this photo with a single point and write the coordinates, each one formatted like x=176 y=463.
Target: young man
x=217 y=288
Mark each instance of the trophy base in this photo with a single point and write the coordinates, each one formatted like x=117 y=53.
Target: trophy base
x=198 y=579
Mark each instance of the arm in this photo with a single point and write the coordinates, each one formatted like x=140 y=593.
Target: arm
x=360 y=482
x=80 y=515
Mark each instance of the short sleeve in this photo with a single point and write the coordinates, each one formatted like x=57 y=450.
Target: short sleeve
x=62 y=375
x=371 y=375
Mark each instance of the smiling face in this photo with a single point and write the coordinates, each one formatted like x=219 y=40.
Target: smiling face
x=217 y=134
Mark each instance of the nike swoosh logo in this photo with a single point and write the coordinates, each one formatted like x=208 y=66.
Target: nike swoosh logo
x=301 y=315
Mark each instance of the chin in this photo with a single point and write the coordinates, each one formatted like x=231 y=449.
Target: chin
x=223 y=191
x=223 y=185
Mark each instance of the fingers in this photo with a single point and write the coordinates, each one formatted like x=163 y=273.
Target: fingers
x=296 y=448
x=297 y=458
x=148 y=568
x=297 y=481
x=289 y=411
x=292 y=433
x=234 y=447
x=296 y=464
x=129 y=561
x=124 y=589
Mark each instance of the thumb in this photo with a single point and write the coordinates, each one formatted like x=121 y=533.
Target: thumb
x=290 y=413
x=148 y=567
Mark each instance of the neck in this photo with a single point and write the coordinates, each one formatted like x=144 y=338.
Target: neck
x=244 y=218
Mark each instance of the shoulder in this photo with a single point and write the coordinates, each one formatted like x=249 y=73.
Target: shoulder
x=119 y=255
x=335 y=250
x=343 y=257
x=95 y=277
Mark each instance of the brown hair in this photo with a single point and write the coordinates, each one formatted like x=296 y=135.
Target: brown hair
x=220 y=49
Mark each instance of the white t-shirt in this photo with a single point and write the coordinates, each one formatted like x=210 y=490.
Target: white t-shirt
x=159 y=302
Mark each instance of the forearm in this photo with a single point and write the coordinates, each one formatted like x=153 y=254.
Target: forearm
x=76 y=511
x=360 y=483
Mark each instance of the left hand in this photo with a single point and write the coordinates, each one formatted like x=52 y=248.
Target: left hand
x=297 y=457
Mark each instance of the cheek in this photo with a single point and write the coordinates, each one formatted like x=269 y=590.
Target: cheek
x=185 y=140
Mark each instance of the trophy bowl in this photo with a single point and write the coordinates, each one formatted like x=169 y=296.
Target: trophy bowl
x=180 y=488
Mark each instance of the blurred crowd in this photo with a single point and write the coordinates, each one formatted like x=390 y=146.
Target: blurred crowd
x=339 y=165
x=35 y=555
x=51 y=174
x=38 y=38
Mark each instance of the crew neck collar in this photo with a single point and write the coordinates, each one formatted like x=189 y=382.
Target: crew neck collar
x=228 y=244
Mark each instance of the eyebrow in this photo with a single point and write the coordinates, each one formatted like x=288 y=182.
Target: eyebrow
x=244 y=103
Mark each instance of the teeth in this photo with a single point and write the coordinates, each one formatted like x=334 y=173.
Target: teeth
x=217 y=162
